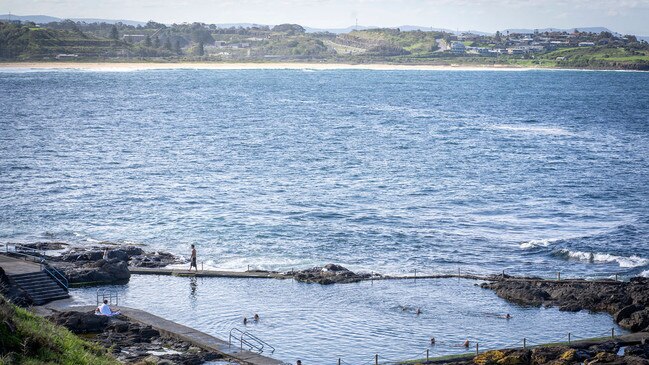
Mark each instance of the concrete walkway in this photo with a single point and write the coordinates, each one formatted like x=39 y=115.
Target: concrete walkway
x=175 y=330
x=15 y=266
x=207 y=273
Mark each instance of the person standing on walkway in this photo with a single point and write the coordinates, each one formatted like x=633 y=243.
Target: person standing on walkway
x=193 y=260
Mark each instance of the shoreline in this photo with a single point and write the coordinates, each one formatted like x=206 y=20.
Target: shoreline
x=119 y=66
x=143 y=66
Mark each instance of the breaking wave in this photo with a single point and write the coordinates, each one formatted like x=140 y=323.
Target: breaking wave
x=537 y=243
x=596 y=257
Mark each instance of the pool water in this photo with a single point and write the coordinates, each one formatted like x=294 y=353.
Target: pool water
x=319 y=324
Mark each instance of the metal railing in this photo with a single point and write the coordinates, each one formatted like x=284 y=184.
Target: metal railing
x=251 y=341
x=107 y=294
x=56 y=275
x=37 y=256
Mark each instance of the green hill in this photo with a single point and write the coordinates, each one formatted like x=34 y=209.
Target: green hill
x=28 y=339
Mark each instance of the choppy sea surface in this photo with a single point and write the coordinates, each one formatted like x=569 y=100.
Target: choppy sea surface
x=532 y=172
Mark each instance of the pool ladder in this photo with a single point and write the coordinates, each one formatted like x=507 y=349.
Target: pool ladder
x=251 y=341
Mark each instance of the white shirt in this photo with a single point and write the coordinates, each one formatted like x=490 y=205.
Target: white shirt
x=105 y=310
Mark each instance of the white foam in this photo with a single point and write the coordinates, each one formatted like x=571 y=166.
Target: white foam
x=530 y=129
x=645 y=274
x=537 y=243
x=632 y=261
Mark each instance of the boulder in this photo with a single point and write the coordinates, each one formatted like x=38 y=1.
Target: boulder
x=103 y=271
x=626 y=312
x=329 y=274
x=80 y=322
x=637 y=321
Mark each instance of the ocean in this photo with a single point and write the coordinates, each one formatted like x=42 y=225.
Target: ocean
x=532 y=172
x=529 y=172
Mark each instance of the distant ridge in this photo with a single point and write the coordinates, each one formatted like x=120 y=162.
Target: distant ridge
x=42 y=19
x=569 y=30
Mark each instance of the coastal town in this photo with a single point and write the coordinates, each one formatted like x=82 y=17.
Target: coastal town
x=70 y=40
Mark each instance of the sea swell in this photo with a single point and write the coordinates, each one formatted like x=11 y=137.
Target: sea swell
x=597 y=257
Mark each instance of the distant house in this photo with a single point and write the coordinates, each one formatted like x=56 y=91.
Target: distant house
x=516 y=51
x=63 y=56
x=586 y=44
x=458 y=48
x=219 y=43
x=134 y=38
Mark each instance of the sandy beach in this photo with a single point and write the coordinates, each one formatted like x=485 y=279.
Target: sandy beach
x=134 y=66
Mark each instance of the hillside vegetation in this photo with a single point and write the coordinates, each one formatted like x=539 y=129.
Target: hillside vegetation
x=28 y=339
x=68 y=40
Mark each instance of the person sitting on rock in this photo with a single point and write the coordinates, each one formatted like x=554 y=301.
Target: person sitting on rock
x=104 y=310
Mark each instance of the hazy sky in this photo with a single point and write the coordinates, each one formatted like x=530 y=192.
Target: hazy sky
x=624 y=16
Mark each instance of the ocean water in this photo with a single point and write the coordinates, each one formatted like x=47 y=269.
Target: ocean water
x=531 y=172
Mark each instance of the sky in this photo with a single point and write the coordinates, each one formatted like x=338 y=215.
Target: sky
x=623 y=16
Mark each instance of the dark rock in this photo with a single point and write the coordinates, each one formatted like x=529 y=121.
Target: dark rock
x=79 y=322
x=105 y=271
x=152 y=260
x=118 y=254
x=608 y=346
x=329 y=274
x=89 y=255
x=637 y=321
x=626 y=312
x=637 y=350
x=626 y=300
x=147 y=333
x=133 y=251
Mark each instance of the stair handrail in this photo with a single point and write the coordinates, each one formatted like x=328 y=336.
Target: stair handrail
x=253 y=342
x=242 y=341
x=262 y=342
x=56 y=274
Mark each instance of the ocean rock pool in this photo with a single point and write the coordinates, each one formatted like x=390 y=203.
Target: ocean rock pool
x=319 y=324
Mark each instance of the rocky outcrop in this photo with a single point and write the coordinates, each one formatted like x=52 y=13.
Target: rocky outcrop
x=626 y=301
x=132 y=342
x=87 y=265
x=604 y=353
x=102 y=271
x=80 y=322
x=329 y=274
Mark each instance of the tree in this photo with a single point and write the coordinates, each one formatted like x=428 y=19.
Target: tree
x=177 y=47
x=200 y=49
x=147 y=41
x=114 y=34
x=156 y=42
x=168 y=44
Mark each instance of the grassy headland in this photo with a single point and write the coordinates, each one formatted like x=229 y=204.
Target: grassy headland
x=289 y=43
x=28 y=339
